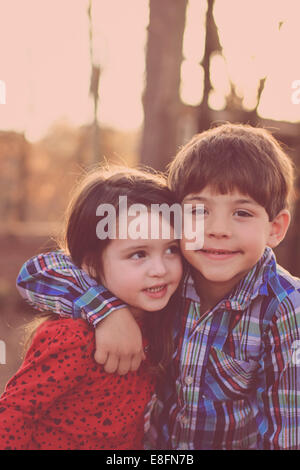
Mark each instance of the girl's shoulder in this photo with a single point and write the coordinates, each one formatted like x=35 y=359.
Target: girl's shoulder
x=77 y=326
x=61 y=351
x=64 y=333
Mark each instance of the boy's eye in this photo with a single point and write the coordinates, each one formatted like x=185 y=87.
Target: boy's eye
x=199 y=210
x=242 y=213
x=138 y=254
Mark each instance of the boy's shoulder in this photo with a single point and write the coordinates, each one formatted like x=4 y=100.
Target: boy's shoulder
x=277 y=285
x=282 y=305
x=285 y=274
x=290 y=286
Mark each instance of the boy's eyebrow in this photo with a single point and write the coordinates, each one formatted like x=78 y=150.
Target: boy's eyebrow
x=206 y=199
x=195 y=198
x=246 y=201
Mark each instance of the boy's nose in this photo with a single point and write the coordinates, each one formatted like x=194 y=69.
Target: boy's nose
x=218 y=228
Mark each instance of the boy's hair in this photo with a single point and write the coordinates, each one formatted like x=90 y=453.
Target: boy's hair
x=235 y=156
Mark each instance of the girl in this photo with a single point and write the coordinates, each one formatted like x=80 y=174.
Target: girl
x=61 y=398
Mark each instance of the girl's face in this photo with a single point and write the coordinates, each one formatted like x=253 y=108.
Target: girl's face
x=143 y=272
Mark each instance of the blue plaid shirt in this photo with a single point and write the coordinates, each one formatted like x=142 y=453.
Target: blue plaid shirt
x=235 y=379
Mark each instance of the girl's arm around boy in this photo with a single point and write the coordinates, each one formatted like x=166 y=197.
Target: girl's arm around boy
x=51 y=282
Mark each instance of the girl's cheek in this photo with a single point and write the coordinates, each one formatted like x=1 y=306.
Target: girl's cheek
x=177 y=268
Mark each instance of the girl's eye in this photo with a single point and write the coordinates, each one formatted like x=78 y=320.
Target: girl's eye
x=138 y=255
x=171 y=250
x=242 y=213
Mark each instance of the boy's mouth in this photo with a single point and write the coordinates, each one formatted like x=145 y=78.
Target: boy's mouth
x=217 y=254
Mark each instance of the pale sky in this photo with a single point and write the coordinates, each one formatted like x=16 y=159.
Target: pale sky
x=45 y=62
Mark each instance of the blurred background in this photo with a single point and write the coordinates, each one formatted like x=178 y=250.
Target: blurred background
x=89 y=81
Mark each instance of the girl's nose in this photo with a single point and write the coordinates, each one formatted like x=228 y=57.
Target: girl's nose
x=157 y=267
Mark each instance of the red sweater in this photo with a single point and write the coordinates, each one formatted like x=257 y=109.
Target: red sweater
x=61 y=399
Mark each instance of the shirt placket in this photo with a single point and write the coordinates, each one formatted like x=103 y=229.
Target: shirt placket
x=192 y=362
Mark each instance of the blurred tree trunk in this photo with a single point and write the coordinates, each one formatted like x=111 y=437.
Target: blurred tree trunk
x=23 y=173
x=212 y=45
x=94 y=87
x=234 y=103
x=161 y=97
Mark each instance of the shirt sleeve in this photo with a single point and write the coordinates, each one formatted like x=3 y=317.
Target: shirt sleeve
x=51 y=282
x=278 y=388
x=41 y=379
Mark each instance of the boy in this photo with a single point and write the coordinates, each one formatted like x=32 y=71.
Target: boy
x=234 y=382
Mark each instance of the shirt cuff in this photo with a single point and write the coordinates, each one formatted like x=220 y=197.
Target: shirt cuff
x=96 y=304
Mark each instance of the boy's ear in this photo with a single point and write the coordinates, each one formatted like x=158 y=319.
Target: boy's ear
x=278 y=228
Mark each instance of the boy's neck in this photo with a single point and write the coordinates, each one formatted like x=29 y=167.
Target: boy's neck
x=210 y=293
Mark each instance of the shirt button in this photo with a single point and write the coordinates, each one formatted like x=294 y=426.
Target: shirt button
x=185 y=420
x=188 y=380
x=183 y=447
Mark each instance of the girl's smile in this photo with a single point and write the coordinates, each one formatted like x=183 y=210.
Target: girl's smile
x=157 y=292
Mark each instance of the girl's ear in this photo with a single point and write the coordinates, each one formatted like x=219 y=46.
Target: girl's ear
x=278 y=228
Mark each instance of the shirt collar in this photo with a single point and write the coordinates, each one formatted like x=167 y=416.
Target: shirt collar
x=258 y=281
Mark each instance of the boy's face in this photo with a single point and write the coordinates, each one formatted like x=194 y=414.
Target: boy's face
x=236 y=232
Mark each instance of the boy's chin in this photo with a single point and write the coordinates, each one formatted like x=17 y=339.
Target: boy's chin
x=229 y=279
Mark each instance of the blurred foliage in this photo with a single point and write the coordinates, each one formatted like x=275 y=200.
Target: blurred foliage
x=36 y=178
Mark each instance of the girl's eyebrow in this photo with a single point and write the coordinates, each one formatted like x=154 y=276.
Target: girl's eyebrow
x=134 y=248
x=143 y=247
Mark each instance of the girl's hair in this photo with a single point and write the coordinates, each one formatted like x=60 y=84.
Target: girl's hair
x=80 y=241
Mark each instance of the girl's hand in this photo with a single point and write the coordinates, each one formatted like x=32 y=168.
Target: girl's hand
x=119 y=344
